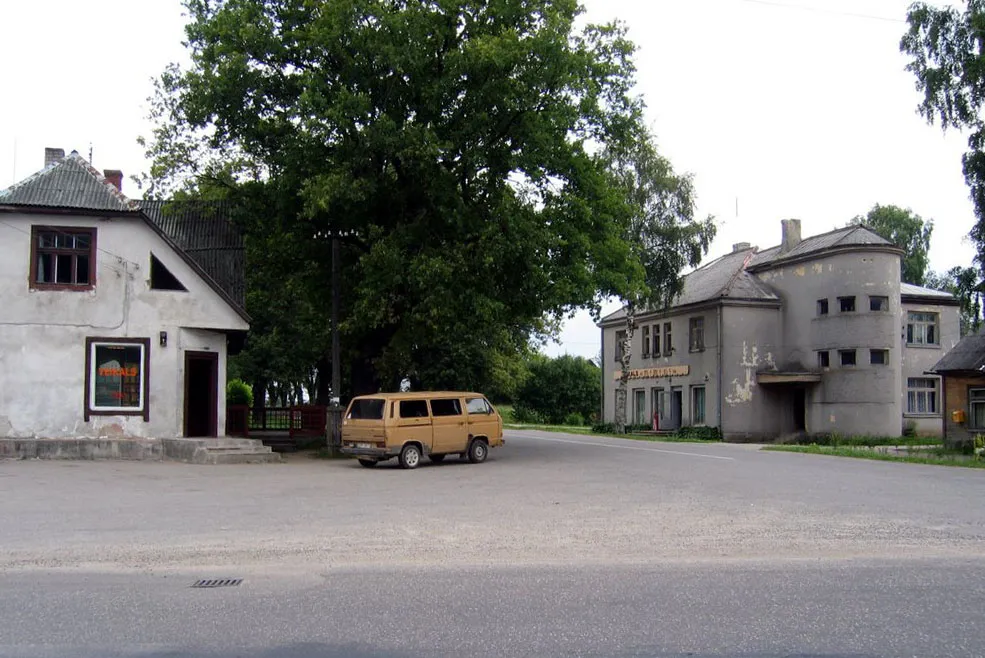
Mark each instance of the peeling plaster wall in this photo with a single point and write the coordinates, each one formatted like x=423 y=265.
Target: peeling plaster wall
x=860 y=399
x=751 y=341
x=917 y=360
x=703 y=366
x=42 y=333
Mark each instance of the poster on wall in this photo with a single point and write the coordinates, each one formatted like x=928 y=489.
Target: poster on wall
x=118 y=376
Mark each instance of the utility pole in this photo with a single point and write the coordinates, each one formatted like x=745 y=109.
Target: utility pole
x=335 y=409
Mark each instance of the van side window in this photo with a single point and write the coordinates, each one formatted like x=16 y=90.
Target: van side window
x=477 y=406
x=413 y=409
x=446 y=407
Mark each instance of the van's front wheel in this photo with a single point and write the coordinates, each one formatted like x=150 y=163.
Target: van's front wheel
x=410 y=456
x=478 y=451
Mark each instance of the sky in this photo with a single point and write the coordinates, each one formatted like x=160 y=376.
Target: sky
x=778 y=108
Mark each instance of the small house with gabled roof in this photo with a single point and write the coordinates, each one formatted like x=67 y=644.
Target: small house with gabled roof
x=813 y=336
x=109 y=328
x=963 y=391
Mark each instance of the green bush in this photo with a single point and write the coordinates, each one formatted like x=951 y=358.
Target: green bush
x=239 y=392
x=700 y=433
x=526 y=416
x=574 y=418
x=557 y=388
x=604 y=428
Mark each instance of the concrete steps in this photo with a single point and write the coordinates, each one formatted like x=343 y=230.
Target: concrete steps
x=195 y=451
x=226 y=450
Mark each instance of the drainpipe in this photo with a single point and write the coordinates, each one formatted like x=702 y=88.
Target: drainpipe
x=602 y=368
x=721 y=393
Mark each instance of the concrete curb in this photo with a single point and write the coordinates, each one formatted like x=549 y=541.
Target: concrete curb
x=192 y=451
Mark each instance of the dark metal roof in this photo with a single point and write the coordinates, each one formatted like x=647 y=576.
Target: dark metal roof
x=967 y=356
x=850 y=236
x=722 y=278
x=68 y=183
x=204 y=231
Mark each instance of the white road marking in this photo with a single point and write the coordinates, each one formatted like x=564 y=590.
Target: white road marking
x=609 y=445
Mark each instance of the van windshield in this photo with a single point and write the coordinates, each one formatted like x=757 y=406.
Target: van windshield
x=366 y=409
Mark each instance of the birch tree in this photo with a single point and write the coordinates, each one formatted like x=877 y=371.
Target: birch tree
x=664 y=238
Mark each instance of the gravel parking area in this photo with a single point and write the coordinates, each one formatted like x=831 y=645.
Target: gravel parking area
x=543 y=499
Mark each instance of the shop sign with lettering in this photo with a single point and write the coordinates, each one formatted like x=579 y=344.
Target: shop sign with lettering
x=657 y=373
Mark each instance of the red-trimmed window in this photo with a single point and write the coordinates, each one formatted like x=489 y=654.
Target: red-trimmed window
x=63 y=258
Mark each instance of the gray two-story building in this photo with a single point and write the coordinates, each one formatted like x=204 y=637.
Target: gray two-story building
x=813 y=336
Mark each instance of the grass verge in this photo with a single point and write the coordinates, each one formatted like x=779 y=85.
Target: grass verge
x=836 y=441
x=934 y=456
x=587 y=431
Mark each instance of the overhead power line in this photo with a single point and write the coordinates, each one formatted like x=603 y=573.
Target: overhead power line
x=823 y=10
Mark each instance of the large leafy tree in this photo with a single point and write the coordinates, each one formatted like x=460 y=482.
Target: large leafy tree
x=965 y=284
x=946 y=46
x=458 y=147
x=908 y=231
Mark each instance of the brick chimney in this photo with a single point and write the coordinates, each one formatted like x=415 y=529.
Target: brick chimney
x=114 y=177
x=741 y=246
x=52 y=155
x=791 y=234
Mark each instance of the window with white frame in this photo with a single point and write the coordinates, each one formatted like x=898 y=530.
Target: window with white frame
x=921 y=396
x=620 y=340
x=646 y=341
x=657 y=399
x=697 y=405
x=976 y=408
x=639 y=407
x=696 y=334
x=116 y=377
x=921 y=328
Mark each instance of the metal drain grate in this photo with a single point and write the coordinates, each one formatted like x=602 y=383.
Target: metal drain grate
x=218 y=582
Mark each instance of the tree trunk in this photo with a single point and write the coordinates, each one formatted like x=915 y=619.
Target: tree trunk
x=323 y=380
x=622 y=392
x=259 y=394
x=363 y=379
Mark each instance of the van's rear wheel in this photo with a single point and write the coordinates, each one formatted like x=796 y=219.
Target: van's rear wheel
x=436 y=458
x=410 y=456
x=368 y=463
x=478 y=451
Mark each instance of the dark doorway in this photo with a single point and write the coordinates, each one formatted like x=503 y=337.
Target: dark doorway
x=800 y=409
x=201 y=393
x=676 y=407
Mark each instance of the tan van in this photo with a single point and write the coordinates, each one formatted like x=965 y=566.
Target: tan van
x=410 y=425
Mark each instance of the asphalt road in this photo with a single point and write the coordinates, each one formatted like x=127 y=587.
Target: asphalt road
x=557 y=546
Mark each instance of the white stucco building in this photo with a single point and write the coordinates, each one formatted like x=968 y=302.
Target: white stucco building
x=107 y=327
